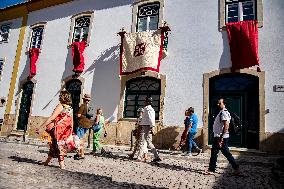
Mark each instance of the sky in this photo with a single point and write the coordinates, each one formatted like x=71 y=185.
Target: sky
x=8 y=3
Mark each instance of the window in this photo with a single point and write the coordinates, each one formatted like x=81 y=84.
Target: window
x=37 y=36
x=81 y=27
x=148 y=17
x=240 y=10
x=1 y=67
x=4 y=32
x=137 y=90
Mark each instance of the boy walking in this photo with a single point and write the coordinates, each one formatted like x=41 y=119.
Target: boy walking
x=192 y=125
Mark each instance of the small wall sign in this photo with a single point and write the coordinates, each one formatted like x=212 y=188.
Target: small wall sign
x=278 y=88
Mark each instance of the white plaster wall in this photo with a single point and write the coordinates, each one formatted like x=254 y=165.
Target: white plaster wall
x=8 y=52
x=195 y=47
x=55 y=60
x=271 y=51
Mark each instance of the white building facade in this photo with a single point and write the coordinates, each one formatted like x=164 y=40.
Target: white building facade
x=195 y=71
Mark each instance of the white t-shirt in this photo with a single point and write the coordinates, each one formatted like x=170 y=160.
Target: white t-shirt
x=218 y=123
x=148 y=117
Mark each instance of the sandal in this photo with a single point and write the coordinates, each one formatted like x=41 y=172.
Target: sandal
x=76 y=157
x=208 y=172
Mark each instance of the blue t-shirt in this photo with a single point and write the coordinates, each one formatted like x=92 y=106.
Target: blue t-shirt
x=194 y=120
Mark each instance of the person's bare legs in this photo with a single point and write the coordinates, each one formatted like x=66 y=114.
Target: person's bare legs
x=82 y=152
x=61 y=164
x=145 y=157
x=47 y=160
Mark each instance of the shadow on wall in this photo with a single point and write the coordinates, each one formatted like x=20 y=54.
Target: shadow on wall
x=68 y=65
x=106 y=82
x=225 y=59
x=169 y=138
x=67 y=72
x=273 y=142
x=166 y=137
x=24 y=75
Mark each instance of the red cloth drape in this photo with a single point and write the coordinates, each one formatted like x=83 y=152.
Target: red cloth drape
x=243 y=41
x=78 y=58
x=33 y=54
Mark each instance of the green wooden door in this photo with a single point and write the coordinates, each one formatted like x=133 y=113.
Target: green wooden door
x=234 y=104
x=74 y=88
x=241 y=94
x=25 y=105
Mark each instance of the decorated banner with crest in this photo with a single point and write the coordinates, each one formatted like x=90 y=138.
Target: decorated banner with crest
x=141 y=51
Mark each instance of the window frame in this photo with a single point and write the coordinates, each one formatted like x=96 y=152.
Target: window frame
x=73 y=22
x=258 y=12
x=1 y=71
x=9 y=31
x=142 y=92
x=125 y=78
x=240 y=9
x=147 y=17
x=140 y=3
x=32 y=27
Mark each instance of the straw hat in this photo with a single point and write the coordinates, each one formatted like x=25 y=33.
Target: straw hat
x=87 y=97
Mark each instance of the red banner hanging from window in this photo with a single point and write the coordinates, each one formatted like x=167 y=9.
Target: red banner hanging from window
x=33 y=54
x=243 y=41
x=78 y=58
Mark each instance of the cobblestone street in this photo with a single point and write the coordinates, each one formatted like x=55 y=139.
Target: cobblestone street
x=19 y=168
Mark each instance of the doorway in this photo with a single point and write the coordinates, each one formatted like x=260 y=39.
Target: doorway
x=25 y=105
x=241 y=91
x=73 y=86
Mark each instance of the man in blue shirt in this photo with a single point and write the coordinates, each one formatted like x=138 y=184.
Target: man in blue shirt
x=192 y=124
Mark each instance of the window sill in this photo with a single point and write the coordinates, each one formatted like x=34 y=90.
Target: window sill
x=70 y=45
x=223 y=28
x=27 y=51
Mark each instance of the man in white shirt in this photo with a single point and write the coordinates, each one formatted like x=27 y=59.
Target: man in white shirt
x=221 y=138
x=147 y=123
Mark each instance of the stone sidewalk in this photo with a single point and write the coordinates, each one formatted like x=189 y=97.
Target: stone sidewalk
x=19 y=168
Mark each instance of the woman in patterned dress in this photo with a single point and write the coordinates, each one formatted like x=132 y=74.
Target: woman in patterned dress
x=60 y=127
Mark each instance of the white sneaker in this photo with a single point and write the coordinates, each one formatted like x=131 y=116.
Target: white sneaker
x=188 y=154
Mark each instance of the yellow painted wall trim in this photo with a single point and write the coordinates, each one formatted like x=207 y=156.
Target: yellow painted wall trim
x=23 y=9
x=16 y=65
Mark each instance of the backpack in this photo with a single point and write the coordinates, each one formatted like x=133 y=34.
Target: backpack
x=235 y=123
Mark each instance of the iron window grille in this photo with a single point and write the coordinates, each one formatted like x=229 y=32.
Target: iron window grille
x=148 y=17
x=36 y=39
x=136 y=92
x=4 y=32
x=81 y=29
x=240 y=10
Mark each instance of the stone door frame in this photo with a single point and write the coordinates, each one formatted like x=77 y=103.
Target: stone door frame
x=261 y=92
